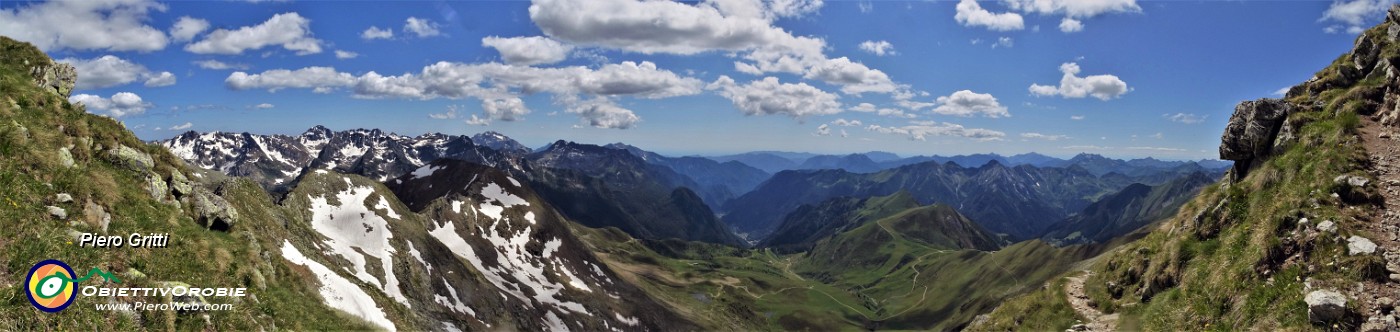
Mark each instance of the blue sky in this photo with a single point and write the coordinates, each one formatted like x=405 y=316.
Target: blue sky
x=1130 y=79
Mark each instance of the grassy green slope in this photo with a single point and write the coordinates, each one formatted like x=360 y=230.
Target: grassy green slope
x=914 y=275
x=34 y=125
x=1233 y=258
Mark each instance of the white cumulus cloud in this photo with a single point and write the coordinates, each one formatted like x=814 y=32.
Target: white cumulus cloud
x=376 y=33
x=1070 y=25
x=476 y=121
x=220 y=65
x=586 y=92
x=881 y=111
x=853 y=77
x=846 y=123
x=342 y=54
x=1353 y=15
x=967 y=103
x=922 y=130
x=741 y=28
x=1074 y=8
x=273 y=80
x=289 y=30
x=1103 y=87
x=528 y=50
x=117 y=25
x=164 y=78
x=186 y=28
x=421 y=27
x=880 y=48
x=119 y=105
x=971 y=14
x=109 y=71
x=603 y=114
x=770 y=97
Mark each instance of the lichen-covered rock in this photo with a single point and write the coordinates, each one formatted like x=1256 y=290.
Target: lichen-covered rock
x=65 y=158
x=132 y=159
x=156 y=187
x=179 y=184
x=1326 y=306
x=63 y=198
x=213 y=211
x=58 y=78
x=1250 y=134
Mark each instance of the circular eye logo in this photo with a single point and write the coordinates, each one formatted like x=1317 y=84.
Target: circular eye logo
x=50 y=285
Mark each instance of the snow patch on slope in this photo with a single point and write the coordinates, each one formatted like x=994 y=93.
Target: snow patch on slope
x=338 y=292
x=353 y=225
x=453 y=302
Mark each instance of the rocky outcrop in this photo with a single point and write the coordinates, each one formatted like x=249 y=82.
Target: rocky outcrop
x=213 y=211
x=1251 y=132
x=58 y=78
x=132 y=159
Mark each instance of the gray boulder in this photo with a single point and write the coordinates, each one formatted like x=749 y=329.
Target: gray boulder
x=1250 y=134
x=1326 y=306
x=1357 y=245
x=96 y=216
x=1351 y=180
x=63 y=198
x=1365 y=54
x=57 y=212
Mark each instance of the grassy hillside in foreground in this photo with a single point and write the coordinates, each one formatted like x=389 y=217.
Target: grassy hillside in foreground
x=1243 y=254
x=36 y=126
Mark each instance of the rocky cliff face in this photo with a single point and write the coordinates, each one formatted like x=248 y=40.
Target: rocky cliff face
x=1251 y=133
x=58 y=78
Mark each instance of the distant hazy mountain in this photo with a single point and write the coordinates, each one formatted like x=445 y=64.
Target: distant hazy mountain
x=769 y=162
x=599 y=187
x=1126 y=211
x=1019 y=201
x=856 y=163
x=881 y=156
x=499 y=142
x=715 y=182
x=774 y=162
